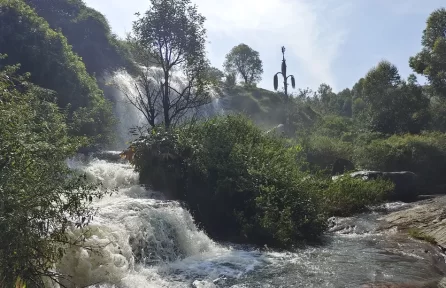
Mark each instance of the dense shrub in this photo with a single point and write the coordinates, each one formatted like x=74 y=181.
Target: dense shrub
x=329 y=139
x=322 y=151
x=348 y=195
x=423 y=154
x=239 y=183
x=40 y=198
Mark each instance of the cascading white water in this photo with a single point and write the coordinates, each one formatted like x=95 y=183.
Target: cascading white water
x=141 y=240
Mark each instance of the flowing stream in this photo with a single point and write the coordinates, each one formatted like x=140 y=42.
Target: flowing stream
x=141 y=240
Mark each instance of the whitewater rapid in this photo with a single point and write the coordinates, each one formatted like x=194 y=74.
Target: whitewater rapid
x=146 y=241
x=138 y=239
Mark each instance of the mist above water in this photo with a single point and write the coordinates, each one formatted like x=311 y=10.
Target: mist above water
x=120 y=85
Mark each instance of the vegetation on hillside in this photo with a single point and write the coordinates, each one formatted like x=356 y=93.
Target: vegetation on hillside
x=384 y=122
x=44 y=53
x=89 y=34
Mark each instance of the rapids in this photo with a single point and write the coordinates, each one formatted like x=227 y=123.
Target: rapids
x=138 y=240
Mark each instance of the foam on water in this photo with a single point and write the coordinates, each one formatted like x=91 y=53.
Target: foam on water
x=138 y=240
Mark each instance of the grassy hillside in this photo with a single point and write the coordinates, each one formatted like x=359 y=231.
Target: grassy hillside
x=262 y=106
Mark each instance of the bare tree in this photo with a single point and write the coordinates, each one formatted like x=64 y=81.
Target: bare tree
x=171 y=37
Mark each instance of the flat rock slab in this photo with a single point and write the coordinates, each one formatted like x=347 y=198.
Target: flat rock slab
x=429 y=217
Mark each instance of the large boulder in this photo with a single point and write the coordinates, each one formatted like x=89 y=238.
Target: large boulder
x=406 y=183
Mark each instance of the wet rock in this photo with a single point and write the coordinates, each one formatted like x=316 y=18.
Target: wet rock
x=428 y=217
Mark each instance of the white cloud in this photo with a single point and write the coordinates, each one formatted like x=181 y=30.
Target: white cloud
x=312 y=31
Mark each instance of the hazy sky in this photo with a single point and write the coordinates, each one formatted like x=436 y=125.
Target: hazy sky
x=328 y=41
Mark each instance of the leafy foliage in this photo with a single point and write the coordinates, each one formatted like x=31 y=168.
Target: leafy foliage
x=88 y=32
x=431 y=61
x=172 y=35
x=391 y=104
x=239 y=183
x=27 y=39
x=40 y=198
x=348 y=195
x=423 y=154
x=246 y=62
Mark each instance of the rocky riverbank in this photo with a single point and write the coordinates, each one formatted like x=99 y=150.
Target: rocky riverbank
x=428 y=218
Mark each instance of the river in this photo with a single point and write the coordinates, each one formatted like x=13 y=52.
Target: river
x=141 y=240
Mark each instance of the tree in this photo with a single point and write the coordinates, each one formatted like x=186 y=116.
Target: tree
x=245 y=62
x=393 y=105
x=431 y=61
x=41 y=199
x=172 y=36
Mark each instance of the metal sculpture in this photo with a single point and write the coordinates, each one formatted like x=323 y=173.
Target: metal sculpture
x=284 y=75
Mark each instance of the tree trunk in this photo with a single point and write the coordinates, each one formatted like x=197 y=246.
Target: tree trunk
x=166 y=100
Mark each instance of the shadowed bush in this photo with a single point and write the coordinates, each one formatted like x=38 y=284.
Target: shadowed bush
x=239 y=183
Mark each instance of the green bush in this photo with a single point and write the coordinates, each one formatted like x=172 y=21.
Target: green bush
x=323 y=151
x=239 y=183
x=423 y=154
x=40 y=198
x=346 y=195
x=329 y=139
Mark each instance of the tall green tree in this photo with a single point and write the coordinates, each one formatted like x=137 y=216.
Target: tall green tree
x=173 y=36
x=393 y=105
x=431 y=61
x=245 y=62
x=40 y=198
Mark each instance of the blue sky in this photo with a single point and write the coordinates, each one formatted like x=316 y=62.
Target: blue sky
x=328 y=41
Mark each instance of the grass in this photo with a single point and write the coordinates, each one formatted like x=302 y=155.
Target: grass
x=262 y=106
x=420 y=235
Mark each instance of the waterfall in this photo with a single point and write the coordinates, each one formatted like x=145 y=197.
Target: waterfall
x=120 y=85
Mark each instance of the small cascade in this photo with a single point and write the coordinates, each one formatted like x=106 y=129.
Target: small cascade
x=137 y=230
